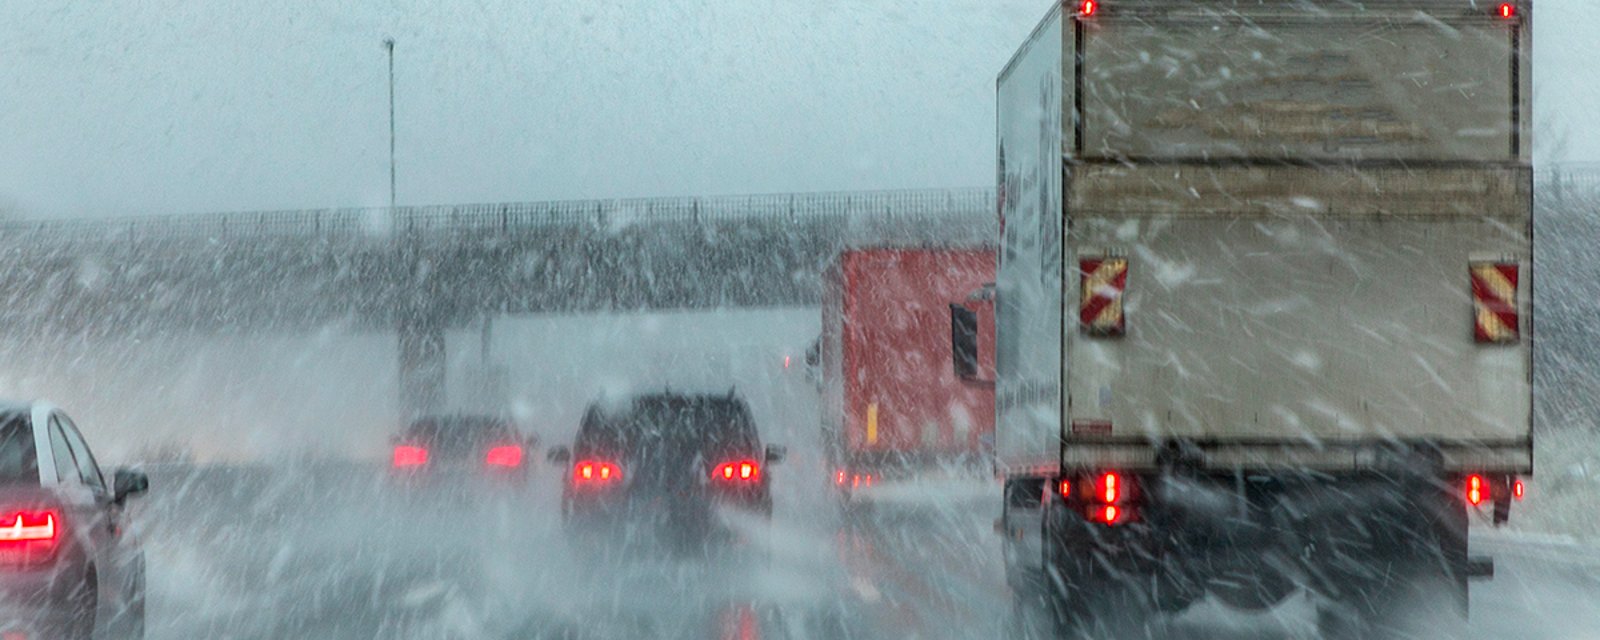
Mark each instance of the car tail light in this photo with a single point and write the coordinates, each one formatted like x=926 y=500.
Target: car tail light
x=1475 y=489
x=740 y=471
x=506 y=456
x=28 y=536
x=28 y=527
x=410 y=456
x=595 y=473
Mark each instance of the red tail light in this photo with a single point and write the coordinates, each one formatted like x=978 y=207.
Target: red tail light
x=410 y=456
x=741 y=471
x=1475 y=489
x=28 y=527
x=838 y=478
x=1507 y=10
x=1088 y=7
x=28 y=536
x=1516 y=489
x=1107 y=498
x=506 y=456
x=1110 y=488
x=1107 y=514
x=595 y=473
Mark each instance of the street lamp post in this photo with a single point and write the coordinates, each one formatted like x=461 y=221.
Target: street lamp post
x=388 y=44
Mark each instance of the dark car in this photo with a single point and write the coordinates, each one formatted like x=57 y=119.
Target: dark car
x=663 y=465
x=462 y=448
x=69 y=566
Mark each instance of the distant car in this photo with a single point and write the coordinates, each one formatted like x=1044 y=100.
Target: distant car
x=69 y=566
x=462 y=448
x=662 y=465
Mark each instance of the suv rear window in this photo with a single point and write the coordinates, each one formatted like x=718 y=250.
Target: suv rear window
x=455 y=436
x=710 y=426
x=19 y=461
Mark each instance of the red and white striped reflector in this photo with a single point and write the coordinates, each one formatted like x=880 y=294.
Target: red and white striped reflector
x=1494 y=302
x=1100 y=306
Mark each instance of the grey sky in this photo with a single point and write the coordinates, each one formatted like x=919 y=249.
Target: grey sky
x=168 y=106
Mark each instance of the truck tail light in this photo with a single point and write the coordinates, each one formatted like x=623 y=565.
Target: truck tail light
x=28 y=536
x=410 y=456
x=1110 y=488
x=595 y=473
x=509 y=456
x=1107 y=497
x=1516 y=489
x=1507 y=10
x=738 y=472
x=1101 y=284
x=1476 y=490
x=1494 y=302
x=1108 y=515
x=1087 y=8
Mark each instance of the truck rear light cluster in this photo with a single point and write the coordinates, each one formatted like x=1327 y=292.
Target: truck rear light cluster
x=1103 y=498
x=1507 y=10
x=1087 y=8
x=1477 y=490
x=1493 y=490
x=595 y=473
x=1110 y=490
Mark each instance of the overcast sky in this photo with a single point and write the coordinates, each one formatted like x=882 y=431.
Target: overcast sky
x=169 y=106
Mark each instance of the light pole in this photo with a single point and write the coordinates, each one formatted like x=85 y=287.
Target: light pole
x=388 y=44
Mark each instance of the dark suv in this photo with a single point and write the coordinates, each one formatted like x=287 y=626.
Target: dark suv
x=666 y=462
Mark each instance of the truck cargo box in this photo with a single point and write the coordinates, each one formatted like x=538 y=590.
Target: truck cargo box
x=1284 y=233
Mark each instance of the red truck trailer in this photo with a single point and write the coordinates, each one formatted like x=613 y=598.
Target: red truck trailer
x=892 y=407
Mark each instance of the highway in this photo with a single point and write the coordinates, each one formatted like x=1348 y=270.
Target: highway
x=332 y=551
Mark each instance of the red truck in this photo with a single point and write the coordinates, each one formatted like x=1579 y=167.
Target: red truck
x=892 y=407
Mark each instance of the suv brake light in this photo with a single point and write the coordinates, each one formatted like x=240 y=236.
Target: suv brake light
x=410 y=456
x=740 y=471
x=505 y=456
x=595 y=472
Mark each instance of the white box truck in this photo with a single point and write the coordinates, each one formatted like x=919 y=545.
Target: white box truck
x=1263 y=304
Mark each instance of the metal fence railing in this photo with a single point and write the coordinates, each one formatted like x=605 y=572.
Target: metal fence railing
x=873 y=209
x=910 y=205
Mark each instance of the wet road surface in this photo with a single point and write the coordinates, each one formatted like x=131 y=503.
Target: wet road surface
x=332 y=551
